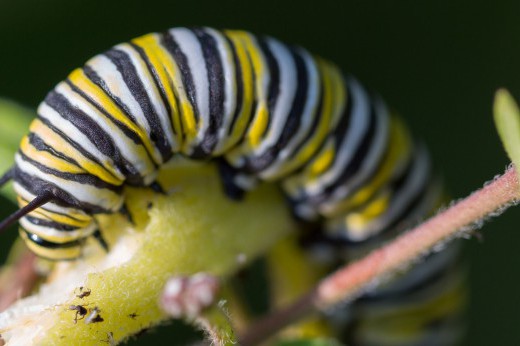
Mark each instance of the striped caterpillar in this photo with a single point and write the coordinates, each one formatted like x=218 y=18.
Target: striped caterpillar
x=260 y=109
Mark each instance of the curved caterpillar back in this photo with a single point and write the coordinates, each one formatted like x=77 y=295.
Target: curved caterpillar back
x=261 y=109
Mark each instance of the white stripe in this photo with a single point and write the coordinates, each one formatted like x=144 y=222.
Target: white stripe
x=287 y=91
x=45 y=232
x=104 y=198
x=420 y=171
x=230 y=90
x=113 y=79
x=153 y=95
x=49 y=206
x=74 y=134
x=357 y=129
x=307 y=118
x=369 y=164
x=135 y=154
x=190 y=47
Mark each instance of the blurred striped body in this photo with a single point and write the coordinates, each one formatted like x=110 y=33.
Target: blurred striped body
x=261 y=109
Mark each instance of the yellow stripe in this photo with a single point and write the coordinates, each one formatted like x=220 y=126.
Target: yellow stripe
x=64 y=237
x=54 y=140
x=54 y=254
x=166 y=72
x=78 y=78
x=261 y=117
x=324 y=124
x=333 y=106
x=398 y=154
x=184 y=119
x=357 y=221
x=47 y=159
x=325 y=158
x=236 y=37
x=59 y=218
x=74 y=219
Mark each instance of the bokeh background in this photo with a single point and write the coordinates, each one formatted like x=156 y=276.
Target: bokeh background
x=437 y=62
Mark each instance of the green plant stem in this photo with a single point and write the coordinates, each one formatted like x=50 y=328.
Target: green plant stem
x=195 y=229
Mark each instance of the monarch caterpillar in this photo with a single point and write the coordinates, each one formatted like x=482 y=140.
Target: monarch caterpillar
x=262 y=111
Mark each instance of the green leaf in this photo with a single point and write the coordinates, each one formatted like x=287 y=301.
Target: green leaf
x=15 y=120
x=507 y=121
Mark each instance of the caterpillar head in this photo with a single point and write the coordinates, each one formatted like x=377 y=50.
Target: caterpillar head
x=56 y=219
x=55 y=232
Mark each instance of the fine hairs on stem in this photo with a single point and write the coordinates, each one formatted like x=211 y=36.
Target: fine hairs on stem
x=348 y=282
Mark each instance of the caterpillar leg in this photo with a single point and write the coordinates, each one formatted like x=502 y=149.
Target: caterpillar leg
x=156 y=187
x=126 y=213
x=101 y=240
x=228 y=175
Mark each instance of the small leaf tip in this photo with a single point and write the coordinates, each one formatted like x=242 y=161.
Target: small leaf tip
x=507 y=122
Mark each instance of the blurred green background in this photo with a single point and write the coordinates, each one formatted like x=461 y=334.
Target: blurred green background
x=437 y=62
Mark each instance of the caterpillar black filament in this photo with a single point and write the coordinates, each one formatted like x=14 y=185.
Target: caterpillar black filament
x=262 y=109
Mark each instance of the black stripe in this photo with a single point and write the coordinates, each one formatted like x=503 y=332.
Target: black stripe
x=175 y=51
x=82 y=178
x=402 y=220
x=353 y=166
x=131 y=78
x=300 y=99
x=239 y=84
x=316 y=119
x=273 y=71
x=36 y=186
x=408 y=209
x=50 y=224
x=91 y=129
x=100 y=82
x=247 y=167
x=51 y=245
x=134 y=179
x=438 y=276
x=340 y=132
x=54 y=212
x=82 y=122
x=293 y=119
x=128 y=132
x=37 y=142
x=368 y=177
x=400 y=180
x=216 y=88
x=158 y=82
x=69 y=141
x=244 y=169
